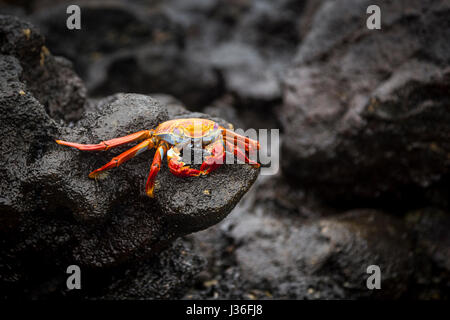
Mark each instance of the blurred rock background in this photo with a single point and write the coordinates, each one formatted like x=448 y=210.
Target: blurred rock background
x=364 y=116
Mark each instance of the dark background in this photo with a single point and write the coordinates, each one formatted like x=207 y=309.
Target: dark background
x=365 y=143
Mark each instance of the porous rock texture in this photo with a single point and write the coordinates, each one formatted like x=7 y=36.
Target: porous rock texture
x=311 y=254
x=368 y=109
x=272 y=248
x=364 y=127
x=50 y=79
x=52 y=214
x=226 y=46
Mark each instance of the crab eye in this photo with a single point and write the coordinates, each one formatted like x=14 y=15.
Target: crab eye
x=177 y=131
x=216 y=126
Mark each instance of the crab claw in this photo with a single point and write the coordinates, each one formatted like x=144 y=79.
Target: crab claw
x=178 y=167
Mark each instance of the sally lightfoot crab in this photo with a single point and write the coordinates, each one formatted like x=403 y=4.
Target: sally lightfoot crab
x=170 y=138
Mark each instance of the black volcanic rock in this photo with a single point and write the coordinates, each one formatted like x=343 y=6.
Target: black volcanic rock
x=430 y=227
x=364 y=122
x=326 y=258
x=193 y=50
x=366 y=112
x=168 y=276
x=52 y=214
x=260 y=252
x=50 y=79
x=129 y=47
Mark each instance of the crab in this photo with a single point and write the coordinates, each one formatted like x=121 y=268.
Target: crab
x=170 y=138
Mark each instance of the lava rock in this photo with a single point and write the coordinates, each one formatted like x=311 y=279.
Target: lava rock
x=259 y=253
x=430 y=228
x=366 y=112
x=292 y=246
x=238 y=47
x=120 y=38
x=245 y=73
x=112 y=220
x=50 y=79
x=167 y=276
x=325 y=258
x=53 y=215
x=263 y=41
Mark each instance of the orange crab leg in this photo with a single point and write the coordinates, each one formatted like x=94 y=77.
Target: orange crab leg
x=230 y=134
x=178 y=167
x=216 y=159
x=240 y=154
x=105 y=145
x=241 y=144
x=125 y=156
x=154 y=169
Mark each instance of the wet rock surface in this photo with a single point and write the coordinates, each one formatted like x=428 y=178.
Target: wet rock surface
x=50 y=208
x=324 y=255
x=314 y=252
x=315 y=256
x=430 y=229
x=368 y=109
x=363 y=117
x=50 y=79
x=239 y=47
x=165 y=277
x=124 y=46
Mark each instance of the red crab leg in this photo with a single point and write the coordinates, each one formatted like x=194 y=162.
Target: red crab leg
x=241 y=144
x=246 y=140
x=105 y=145
x=125 y=156
x=239 y=153
x=154 y=169
x=178 y=167
x=216 y=159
